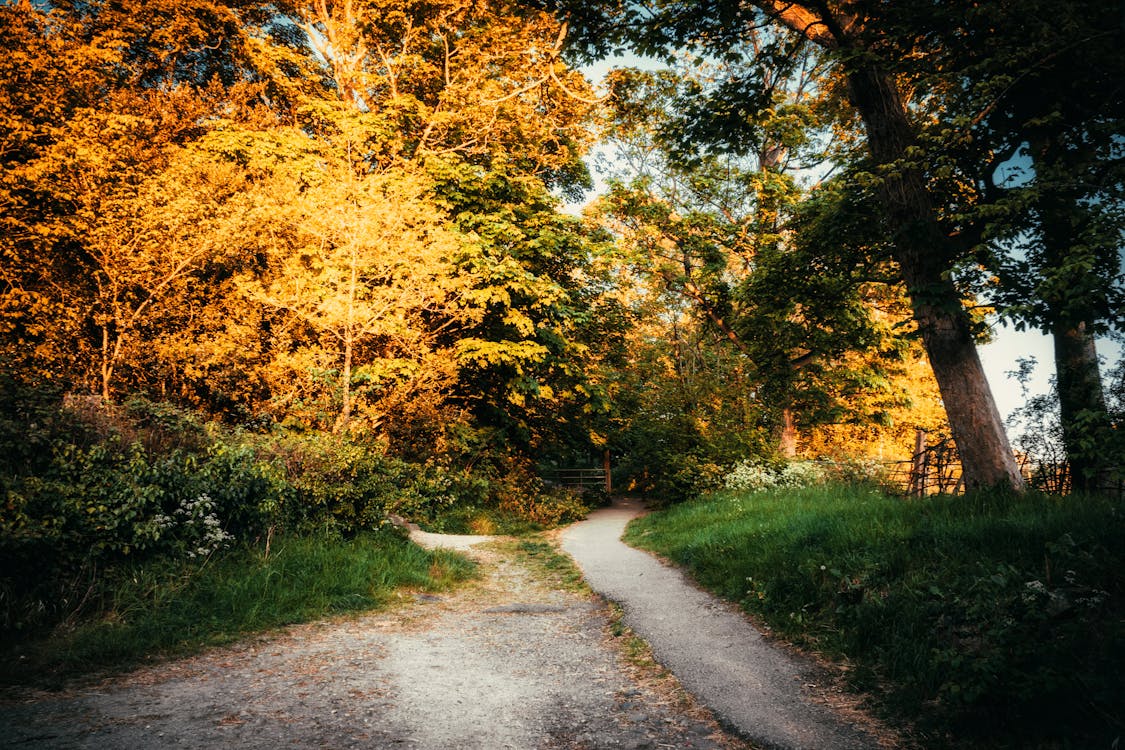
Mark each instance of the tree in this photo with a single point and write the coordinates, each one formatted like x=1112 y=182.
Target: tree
x=100 y=101
x=1053 y=236
x=725 y=230
x=484 y=81
x=854 y=36
x=359 y=265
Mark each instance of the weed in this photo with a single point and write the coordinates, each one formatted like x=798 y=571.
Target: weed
x=558 y=568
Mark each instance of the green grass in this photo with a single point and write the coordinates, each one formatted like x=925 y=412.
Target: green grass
x=164 y=609
x=992 y=621
x=557 y=569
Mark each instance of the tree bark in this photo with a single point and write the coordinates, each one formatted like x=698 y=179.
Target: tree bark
x=1072 y=305
x=787 y=441
x=1082 y=408
x=345 y=387
x=924 y=257
x=107 y=365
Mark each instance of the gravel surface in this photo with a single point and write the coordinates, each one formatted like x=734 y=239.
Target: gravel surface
x=771 y=696
x=511 y=661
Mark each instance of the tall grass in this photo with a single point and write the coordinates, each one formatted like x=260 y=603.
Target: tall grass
x=988 y=619
x=167 y=608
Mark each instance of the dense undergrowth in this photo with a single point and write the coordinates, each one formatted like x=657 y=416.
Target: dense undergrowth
x=107 y=511
x=987 y=620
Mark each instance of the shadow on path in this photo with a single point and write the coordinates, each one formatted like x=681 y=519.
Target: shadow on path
x=718 y=656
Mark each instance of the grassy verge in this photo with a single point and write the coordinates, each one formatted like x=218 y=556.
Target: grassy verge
x=988 y=621
x=169 y=608
x=555 y=568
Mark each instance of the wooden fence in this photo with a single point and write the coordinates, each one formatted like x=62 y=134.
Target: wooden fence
x=936 y=469
x=583 y=479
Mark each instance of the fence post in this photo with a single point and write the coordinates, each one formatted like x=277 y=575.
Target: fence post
x=918 y=471
x=605 y=468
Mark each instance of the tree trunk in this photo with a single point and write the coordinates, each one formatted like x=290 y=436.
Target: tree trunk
x=1068 y=288
x=107 y=365
x=345 y=387
x=924 y=257
x=787 y=442
x=1082 y=408
x=349 y=345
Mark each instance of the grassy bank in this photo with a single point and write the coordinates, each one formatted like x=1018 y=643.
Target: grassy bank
x=170 y=608
x=986 y=620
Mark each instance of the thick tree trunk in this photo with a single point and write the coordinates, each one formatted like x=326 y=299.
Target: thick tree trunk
x=1082 y=407
x=923 y=255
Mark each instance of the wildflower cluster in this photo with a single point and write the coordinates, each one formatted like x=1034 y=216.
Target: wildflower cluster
x=754 y=474
x=201 y=531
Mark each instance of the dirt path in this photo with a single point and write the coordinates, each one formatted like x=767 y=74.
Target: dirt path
x=513 y=661
x=769 y=695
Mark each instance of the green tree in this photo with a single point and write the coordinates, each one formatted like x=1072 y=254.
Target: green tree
x=854 y=37
x=729 y=233
x=1054 y=234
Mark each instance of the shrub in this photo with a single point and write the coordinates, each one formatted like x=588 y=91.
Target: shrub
x=548 y=508
x=754 y=474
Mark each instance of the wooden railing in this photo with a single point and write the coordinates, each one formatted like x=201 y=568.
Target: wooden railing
x=582 y=479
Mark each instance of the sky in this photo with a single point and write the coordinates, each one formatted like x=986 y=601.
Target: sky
x=1009 y=346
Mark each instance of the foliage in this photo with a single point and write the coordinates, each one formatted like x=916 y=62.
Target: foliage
x=77 y=508
x=736 y=254
x=988 y=620
x=518 y=515
x=1040 y=436
x=873 y=69
x=681 y=412
x=249 y=219
x=91 y=488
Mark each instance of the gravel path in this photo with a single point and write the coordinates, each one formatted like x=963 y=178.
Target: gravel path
x=769 y=695
x=512 y=661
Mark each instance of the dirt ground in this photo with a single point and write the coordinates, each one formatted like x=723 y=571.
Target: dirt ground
x=513 y=660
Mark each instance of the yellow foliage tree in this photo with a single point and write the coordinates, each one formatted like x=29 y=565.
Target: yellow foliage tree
x=355 y=268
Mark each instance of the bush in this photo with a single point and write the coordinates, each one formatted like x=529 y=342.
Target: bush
x=755 y=474
x=548 y=509
x=670 y=478
x=88 y=488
